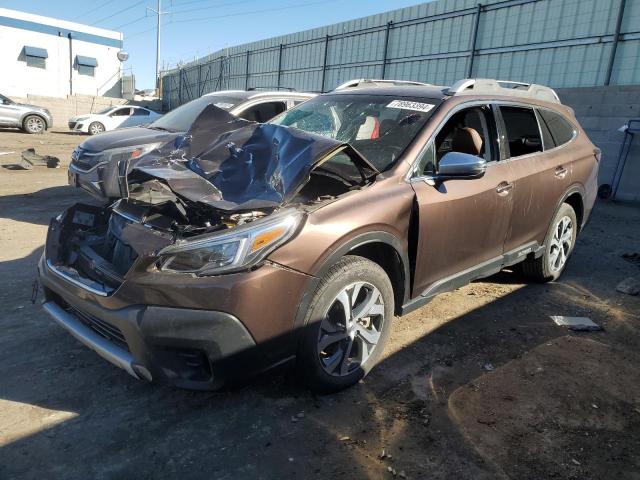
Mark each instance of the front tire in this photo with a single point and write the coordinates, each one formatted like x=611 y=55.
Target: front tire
x=34 y=124
x=95 y=128
x=347 y=325
x=558 y=246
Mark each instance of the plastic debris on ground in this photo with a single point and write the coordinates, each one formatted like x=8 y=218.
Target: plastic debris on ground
x=577 y=324
x=31 y=159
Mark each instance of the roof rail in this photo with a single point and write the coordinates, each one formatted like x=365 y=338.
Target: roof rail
x=487 y=86
x=289 y=89
x=371 y=82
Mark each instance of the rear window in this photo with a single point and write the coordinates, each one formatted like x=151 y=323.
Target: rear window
x=181 y=119
x=523 y=133
x=561 y=130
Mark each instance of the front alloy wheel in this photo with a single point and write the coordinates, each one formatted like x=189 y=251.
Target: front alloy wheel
x=350 y=329
x=347 y=325
x=34 y=124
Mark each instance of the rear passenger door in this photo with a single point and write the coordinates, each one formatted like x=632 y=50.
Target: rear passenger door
x=541 y=173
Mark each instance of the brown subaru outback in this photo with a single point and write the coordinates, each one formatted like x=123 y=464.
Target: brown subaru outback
x=242 y=245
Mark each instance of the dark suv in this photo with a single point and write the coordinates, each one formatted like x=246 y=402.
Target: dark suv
x=301 y=238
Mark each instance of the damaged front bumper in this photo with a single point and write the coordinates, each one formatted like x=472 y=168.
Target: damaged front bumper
x=189 y=331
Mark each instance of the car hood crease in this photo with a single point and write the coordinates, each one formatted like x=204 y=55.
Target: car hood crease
x=233 y=164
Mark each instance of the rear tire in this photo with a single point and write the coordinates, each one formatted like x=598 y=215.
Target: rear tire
x=95 y=128
x=34 y=124
x=338 y=347
x=558 y=246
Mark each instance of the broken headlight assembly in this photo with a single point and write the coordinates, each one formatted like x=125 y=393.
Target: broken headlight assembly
x=89 y=162
x=238 y=249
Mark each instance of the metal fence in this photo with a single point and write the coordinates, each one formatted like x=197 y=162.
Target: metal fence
x=561 y=43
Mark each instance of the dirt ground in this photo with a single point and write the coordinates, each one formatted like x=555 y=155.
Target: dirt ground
x=479 y=384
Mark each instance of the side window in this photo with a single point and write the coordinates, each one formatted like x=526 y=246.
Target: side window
x=426 y=164
x=547 y=140
x=121 y=112
x=264 y=111
x=560 y=129
x=140 y=112
x=523 y=134
x=470 y=131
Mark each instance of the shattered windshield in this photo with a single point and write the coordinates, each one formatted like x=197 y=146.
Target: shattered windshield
x=181 y=119
x=380 y=127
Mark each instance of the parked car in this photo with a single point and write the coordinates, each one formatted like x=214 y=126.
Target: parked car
x=89 y=159
x=29 y=118
x=120 y=116
x=302 y=237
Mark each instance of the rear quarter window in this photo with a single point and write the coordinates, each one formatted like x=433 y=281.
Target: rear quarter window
x=560 y=129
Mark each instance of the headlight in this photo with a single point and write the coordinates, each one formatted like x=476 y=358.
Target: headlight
x=240 y=248
x=88 y=161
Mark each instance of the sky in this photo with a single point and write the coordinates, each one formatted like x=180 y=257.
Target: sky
x=194 y=28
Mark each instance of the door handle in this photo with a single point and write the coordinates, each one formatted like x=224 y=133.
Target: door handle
x=504 y=188
x=560 y=172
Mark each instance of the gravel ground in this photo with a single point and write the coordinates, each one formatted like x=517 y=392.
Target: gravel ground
x=479 y=384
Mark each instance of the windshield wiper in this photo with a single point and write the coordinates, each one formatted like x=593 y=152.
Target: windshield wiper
x=153 y=127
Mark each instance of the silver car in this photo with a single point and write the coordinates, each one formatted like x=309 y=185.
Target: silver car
x=30 y=118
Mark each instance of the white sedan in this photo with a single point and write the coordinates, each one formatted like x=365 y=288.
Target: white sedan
x=112 y=118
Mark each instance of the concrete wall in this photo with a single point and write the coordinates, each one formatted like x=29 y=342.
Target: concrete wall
x=602 y=111
x=64 y=108
x=19 y=30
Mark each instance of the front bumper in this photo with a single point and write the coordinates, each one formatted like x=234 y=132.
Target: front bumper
x=185 y=334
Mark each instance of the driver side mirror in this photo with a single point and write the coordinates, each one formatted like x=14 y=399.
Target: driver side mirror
x=456 y=165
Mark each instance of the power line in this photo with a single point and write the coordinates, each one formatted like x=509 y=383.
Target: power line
x=211 y=6
x=253 y=12
x=119 y=12
x=94 y=9
x=131 y=22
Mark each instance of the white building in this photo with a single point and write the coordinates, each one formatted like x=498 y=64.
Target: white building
x=45 y=56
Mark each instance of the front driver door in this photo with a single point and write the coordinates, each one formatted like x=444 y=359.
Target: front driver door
x=118 y=117
x=462 y=223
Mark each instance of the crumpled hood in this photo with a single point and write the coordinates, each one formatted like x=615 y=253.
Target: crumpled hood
x=233 y=164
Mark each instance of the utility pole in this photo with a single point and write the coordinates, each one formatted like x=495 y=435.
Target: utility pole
x=159 y=14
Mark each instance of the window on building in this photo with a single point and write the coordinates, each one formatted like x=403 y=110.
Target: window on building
x=35 y=57
x=86 y=65
x=523 y=133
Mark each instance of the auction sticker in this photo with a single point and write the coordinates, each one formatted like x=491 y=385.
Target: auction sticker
x=407 y=105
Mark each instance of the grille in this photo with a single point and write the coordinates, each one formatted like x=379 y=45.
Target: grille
x=83 y=159
x=72 y=125
x=104 y=329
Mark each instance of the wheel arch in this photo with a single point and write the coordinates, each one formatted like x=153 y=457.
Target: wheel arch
x=380 y=247
x=574 y=196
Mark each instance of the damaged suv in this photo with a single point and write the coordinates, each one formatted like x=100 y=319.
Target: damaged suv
x=257 y=243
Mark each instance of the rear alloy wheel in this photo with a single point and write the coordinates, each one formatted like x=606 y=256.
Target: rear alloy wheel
x=559 y=244
x=95 y=128
x=348 y=324
x=34 y=124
